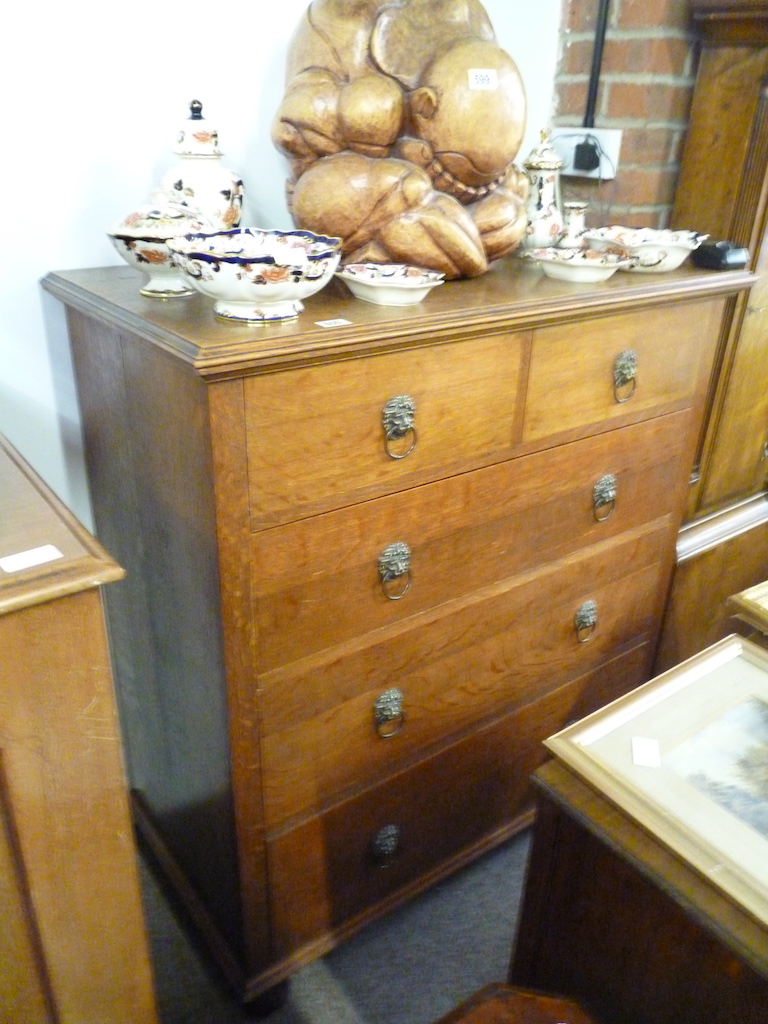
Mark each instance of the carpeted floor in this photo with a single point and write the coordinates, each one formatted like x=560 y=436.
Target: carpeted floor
x=409 y=968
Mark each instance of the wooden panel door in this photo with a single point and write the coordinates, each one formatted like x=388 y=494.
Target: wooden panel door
x=722 y=190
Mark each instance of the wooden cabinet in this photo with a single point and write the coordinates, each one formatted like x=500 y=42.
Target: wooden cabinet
x=72 y=943
x=610 y=917
x=722 y=190
x=338 y=653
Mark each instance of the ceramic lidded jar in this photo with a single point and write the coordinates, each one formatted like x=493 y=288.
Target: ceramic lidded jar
x=545 y=217
x=199 y=179
x=141 y=239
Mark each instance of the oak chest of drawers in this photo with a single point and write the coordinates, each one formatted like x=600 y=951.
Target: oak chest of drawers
x=374 y=557
x=73 y=946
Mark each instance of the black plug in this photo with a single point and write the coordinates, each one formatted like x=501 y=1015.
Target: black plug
x=720 y=256
x=586 y=156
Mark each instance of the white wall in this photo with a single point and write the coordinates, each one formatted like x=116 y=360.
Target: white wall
x=92 y=96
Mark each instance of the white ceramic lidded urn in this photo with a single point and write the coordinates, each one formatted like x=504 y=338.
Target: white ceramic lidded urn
x=545 y=218
x=199 y=180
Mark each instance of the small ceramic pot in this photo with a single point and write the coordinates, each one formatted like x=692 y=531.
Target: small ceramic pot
x=574 y=217
x=141 y=239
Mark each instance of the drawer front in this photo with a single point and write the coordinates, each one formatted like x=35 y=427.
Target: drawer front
x=473 y=660
x=316 y=439
x=572 y=385
x=329 y=869
x=317 y=583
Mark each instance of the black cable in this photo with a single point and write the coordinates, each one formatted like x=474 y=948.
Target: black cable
x=597 y=60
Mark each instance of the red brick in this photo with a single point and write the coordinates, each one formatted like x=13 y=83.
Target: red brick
x=647 y=102
x=629 y=217
x=649 y=146
x=652 y=13
x=633 y=217
x=577 y=188
x=659 y=56
x=645 y=186
x=577 y=57
x=571 y=99
x=580 y=15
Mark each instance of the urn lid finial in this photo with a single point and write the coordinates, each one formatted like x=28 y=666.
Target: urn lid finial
x=196 y=137
x=544 y=157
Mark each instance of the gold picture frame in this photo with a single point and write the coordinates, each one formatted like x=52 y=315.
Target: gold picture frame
x=686 y=756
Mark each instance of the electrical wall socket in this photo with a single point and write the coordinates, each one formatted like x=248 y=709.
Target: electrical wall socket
x=565 y=141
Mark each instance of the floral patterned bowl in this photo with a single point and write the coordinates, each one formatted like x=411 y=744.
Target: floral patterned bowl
x=651 y=251
x=584 y=266
x=389 y=284
x=141 y=238
x=256 y=275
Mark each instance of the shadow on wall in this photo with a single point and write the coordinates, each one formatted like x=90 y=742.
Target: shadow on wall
x=73 y=484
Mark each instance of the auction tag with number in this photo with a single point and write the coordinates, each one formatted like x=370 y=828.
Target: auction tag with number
x=333 y=323
x=482 y=78
x=30 y=558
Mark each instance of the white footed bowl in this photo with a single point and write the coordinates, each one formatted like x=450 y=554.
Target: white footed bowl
x=141 y=239
x=253 y=274
x=389 y=284
x=651 y=251
x=584 y=266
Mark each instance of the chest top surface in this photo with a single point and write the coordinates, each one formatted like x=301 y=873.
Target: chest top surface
x=44 y=551
x=513 y=295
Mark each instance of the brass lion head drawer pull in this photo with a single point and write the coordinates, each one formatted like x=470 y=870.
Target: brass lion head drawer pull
x=395 y=570
x=586 y=621
x=604 y=497
x=385 y=845
x=625 y=375
x=398 y=417
x=388 y=713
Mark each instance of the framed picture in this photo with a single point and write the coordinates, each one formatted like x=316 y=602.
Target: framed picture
x=686 y=756
x=752 y=606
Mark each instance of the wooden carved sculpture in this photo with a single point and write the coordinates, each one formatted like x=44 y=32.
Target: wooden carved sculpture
x=401 y=120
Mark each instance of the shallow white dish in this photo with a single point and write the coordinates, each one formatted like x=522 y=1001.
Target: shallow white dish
x=651 y=250
x=585 y=266
x=389 y=284
x=256 y=274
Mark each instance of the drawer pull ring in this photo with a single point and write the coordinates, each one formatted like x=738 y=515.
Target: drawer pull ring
x=625 y=375
x=385 y=845
x=398 y=416
x=604 y=497
x=586 y=621
x=395 y=564
x=388 y=713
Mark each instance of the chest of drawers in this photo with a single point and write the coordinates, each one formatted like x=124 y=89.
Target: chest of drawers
x=340 y=642
x=73 y=946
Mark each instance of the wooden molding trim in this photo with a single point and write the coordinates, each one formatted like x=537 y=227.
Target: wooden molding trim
x=696 y=538
x=731 y=22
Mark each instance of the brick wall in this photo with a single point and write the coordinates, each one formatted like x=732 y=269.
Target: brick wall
x=646 y=84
